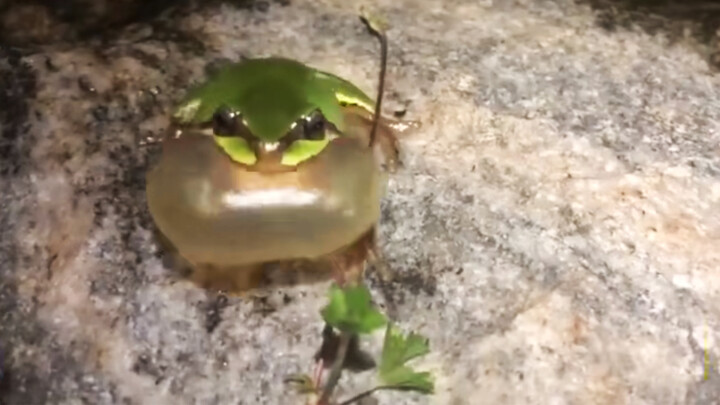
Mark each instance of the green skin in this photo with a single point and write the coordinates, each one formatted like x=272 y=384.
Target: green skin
x=221 y=204
x=272 y=94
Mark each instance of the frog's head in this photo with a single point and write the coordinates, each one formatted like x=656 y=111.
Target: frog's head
x=271 y=108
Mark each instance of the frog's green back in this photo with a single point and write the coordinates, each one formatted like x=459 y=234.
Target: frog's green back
x=271 y=94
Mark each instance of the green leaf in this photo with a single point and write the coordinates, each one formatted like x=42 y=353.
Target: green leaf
x=350 y=310
x=398 y=350
x=404 y=378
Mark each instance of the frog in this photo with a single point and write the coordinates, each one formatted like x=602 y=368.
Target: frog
x=271 y=163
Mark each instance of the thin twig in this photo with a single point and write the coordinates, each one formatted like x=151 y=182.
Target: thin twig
x=378 y=32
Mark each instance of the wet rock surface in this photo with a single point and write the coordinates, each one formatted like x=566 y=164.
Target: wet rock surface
x=553 y=231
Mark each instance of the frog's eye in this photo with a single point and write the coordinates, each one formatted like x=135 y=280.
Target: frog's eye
x=314 y=126
x=231 y=136
x=307 y=138
x=226 y=122
x=311 y=127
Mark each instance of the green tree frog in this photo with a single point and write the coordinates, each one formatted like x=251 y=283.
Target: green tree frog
x=271 y=162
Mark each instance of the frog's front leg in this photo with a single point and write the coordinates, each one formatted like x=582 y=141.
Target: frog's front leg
x=347 y=265
x=228 y=279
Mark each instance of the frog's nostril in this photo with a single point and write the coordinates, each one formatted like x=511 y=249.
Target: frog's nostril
x=269 y=156
x=268 y=151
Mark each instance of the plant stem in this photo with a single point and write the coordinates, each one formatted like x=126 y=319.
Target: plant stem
x=336 y=369
x=363 y=395
x=379 y=31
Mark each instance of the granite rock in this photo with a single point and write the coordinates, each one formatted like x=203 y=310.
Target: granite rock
x=554 y=230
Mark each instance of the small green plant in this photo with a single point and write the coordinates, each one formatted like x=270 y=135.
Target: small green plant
x=348 y=315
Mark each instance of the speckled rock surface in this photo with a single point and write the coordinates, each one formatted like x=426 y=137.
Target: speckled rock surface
x=554 y=230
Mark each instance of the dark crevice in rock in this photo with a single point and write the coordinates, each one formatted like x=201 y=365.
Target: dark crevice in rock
x=17 y=88
x=29 y=375
x=674 y=18
x=117 y=193
x=38 y=22
x=29 y=383
x=122 y=202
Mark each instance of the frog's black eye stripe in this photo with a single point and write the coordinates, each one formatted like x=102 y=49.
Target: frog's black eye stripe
x=314 y=126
